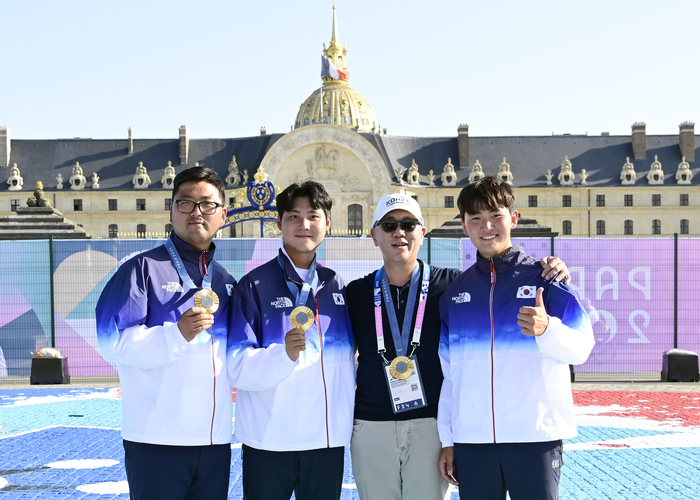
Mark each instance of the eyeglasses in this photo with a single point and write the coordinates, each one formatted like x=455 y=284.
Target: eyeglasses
x=389 y=225
x=205 y=207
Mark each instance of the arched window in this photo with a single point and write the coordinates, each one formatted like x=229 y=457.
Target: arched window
x=656 y=226
x=600 y=227
x=355 y=218
x=566 y=227
x=113 y=231
x=141 y=231
x=629 y=227
x=685 y=226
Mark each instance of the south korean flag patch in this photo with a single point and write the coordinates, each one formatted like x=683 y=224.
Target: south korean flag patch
x=338 y=299
x=527 y=292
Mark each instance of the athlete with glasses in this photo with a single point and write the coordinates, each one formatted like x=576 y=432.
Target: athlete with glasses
x=395 y=444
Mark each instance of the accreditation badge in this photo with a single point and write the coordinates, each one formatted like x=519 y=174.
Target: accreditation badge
x=405 y=384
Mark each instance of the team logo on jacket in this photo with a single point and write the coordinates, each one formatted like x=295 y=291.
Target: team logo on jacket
x=282 y=302
x=172 y=286
x=462 y=298
x=527 y=292
x=338 y=299
x=229 y=288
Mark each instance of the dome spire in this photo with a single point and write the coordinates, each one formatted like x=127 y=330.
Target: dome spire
x=335 y=53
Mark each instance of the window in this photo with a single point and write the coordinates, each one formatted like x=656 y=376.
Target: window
x=656 y=226
x=600 y=200
x=532 y=201
x=112 y=204
x=168 y=203
x=566 y=200
x=168 y=229
x=685 y=226
x=600 y=227
x=628 y=200
x=449 y=201
x=684 y=200
x=113 y=230
x=231 y=201
x=141 y=231
x=629 y=227
x=566 y=227
x=355 y=218
x=140 y=203
x=655 y=200
x=14 y=205
x=77 y=205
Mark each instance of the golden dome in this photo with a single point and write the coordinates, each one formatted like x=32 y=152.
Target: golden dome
x=335 y=102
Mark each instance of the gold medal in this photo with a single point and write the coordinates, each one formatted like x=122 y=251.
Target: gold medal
x=208 y=299
x=401 y=367
x=302 y=317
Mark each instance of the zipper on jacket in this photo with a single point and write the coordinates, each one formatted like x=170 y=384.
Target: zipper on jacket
x=493 y=403
x=323 y=371
x=204 y=269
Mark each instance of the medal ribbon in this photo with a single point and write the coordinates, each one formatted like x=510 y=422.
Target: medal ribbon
x=180 y=266
x=300 y=297
x=381 y=287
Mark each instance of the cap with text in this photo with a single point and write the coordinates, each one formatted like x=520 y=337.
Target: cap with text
x=397 y=202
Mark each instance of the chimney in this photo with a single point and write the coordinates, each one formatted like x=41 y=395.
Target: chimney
x=463 y=145
x=184 y=144
x=4 y=147
x=263 y=131
x=639 y=140
x=130 y=142
x=686 y=140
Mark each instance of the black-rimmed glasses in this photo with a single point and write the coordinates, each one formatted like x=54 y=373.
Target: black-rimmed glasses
x=205 y=207
x=390 y=225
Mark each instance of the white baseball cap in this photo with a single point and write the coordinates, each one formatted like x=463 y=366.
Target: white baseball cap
x=397 y=202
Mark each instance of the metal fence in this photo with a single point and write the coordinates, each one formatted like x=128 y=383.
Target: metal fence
x=643 y=294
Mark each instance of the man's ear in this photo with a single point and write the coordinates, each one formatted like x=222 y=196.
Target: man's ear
x=464 y=226
x=514 y=217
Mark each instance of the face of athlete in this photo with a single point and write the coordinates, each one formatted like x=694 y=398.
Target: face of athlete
x=196 y=228
x=399 y=246
x=489 y=230
x=303 y=229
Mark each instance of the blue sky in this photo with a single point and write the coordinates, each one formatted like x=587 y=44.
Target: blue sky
x=226 y=68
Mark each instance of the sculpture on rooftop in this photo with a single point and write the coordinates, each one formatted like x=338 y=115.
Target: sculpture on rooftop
x=448 y=176
x=656 y=174
x=504 y=172
x=566 y=175
x=59 y=181
x=38 y=199
x=141 y=180
x=477 y=172
x=15 y=179
x=413 y=176
x=168 y=176
x=95 y=181
x=683 y=174
x=77 y=180
x=233 y=178
x=628 y=175
x=549 y=176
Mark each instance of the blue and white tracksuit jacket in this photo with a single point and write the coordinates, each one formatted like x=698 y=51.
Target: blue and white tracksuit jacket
x=502 y=386
x=174 y=392
x=285 y=405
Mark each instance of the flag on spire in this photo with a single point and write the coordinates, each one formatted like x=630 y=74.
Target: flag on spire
x=329 y=69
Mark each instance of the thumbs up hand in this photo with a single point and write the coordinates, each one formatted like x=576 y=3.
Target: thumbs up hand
x=533 y=321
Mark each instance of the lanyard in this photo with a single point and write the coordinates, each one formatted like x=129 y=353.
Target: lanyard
x=180 y=266
x=381 y=287
x=300 y=298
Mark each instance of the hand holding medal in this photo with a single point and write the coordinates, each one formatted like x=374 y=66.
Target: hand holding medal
x=295 y=341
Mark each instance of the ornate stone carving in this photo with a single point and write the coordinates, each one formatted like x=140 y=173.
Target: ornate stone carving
x=260 y=176
x=448 y=176
x=59 y=181
x=77 y=180
x=477 y=172
x=656 y=174
x=322 y=166
x=431 y=178
x=141 y=179
x=566 y=175
x=628 y=175
x=95 y=181
x=168 y=176
x=349 y=183
x=234 y=177
x=245 y=176
x=504 y=172
x=683 y=174
x=38 y=199
x=549 y=176
x=399 y=173
x=413 y=176
x=584 y=176
x=15 y=180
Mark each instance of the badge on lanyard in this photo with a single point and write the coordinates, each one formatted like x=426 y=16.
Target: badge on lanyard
x=402 y=373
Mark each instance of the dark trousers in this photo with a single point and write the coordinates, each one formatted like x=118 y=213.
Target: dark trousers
x=527 y=471
x=156 y=472
x=274 y=475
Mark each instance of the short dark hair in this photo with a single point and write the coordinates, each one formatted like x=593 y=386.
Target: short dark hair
x=315 y=192
x=200 y=174
x=488 y=192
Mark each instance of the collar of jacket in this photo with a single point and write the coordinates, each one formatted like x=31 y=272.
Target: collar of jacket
x=514 y=256
x=324 y=274
x=190 y=254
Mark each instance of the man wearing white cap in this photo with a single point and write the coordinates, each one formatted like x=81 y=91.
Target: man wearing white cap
x=395 y=444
